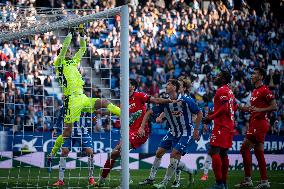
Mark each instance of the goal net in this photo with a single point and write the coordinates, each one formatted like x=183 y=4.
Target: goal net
x=31 y=95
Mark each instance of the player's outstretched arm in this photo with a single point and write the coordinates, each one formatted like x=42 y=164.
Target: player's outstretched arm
x=197 y=123
x=160 y=118
x=160 y=100
x=63 y=51
x=141 y=131
x=80 y=53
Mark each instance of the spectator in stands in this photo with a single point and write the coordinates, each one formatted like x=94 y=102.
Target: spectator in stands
x=166 y=41
x=48 y=81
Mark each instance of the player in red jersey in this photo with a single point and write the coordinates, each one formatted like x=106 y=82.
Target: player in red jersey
x=137 y=110
x=222 y=134
x=261 y=102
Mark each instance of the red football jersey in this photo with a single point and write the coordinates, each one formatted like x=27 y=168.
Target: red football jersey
x=260 y=98
x=224 y=94
x=137 y=110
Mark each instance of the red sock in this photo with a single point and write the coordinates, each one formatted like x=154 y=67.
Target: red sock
x=107 y=167
x=217 y=167
x=246 y=160
x=259 y=154
x=225 y=168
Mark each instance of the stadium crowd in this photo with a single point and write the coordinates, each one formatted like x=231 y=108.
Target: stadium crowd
x=166 y=42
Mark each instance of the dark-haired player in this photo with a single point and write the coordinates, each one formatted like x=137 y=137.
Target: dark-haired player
x=137 y=110
x=261 y=102
x=222 y=134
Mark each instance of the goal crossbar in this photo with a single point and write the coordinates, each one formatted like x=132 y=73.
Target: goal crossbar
x=64 y=23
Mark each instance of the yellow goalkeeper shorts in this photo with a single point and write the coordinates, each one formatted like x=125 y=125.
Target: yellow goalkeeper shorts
x=74 y=105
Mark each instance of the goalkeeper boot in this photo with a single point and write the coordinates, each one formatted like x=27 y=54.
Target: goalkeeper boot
x=204 y=177
x=59 y=183
x=147 y=182
x=92 y=181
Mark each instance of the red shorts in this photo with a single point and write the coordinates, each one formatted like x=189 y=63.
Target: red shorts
x=221 y=137
x=257 y=131
x=136 y=141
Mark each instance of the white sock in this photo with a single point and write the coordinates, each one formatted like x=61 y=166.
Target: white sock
x=155 y=166
x=171 y=170
x=62 y=166
x=177 y=175
x=182 y=166
x=90 y=166
x=207 y=164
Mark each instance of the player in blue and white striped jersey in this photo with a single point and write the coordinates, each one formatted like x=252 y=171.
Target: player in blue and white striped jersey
x=181 y=131
x=184 y=90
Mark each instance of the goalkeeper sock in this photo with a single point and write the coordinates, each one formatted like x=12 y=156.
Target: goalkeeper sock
x=90 y=166
x=58 y=143
x=62 y=166
x=113 y=109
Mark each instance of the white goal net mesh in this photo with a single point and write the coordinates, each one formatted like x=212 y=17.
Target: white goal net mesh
x=31 y=96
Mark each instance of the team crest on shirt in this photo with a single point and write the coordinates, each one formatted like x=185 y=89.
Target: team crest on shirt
x=132 y=105
x=223 y=97
x=253 y=98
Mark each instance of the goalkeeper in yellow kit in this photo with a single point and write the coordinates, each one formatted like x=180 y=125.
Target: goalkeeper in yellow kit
x=75 y=101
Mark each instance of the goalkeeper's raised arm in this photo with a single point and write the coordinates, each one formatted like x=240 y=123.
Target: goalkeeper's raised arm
x=80 y=53
x=66 y=67
x=61 y=56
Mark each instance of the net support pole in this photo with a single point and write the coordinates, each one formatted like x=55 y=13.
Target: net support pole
x=124 y=94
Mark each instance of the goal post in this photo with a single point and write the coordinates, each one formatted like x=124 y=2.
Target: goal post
x=38 y=28
x=124 y=98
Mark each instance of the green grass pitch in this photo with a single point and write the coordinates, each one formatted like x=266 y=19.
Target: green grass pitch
x=77 y=178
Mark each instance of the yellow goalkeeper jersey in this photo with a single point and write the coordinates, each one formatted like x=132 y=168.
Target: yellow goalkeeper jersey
x=67 y=70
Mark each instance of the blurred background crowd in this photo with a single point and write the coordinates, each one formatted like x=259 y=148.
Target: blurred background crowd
x=168 y=39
